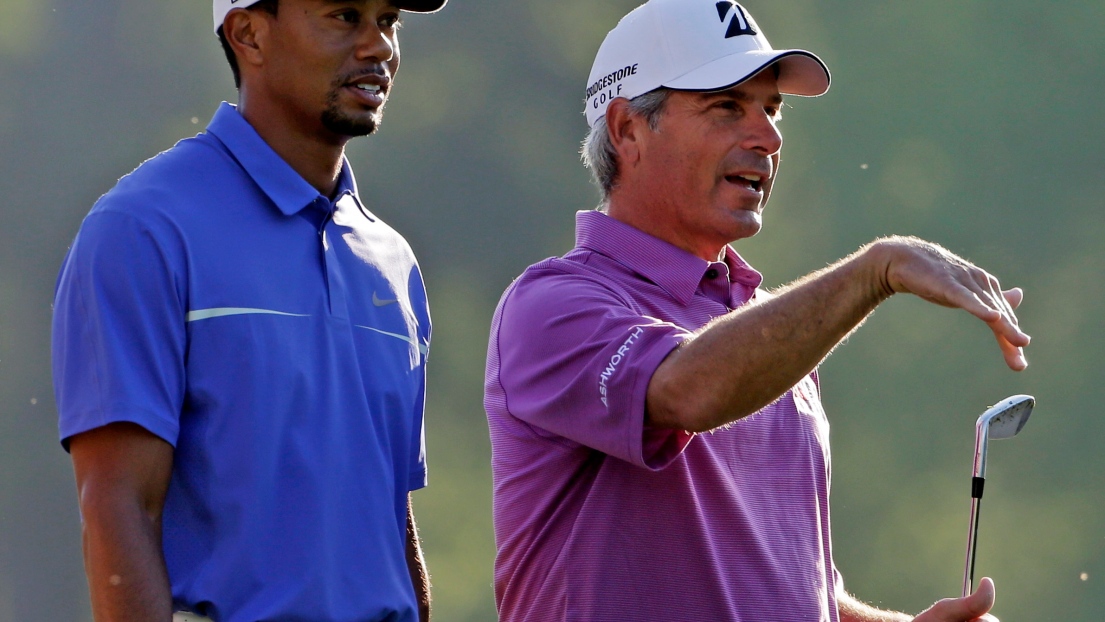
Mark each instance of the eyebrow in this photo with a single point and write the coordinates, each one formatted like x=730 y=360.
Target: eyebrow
x=359 y=3
x=741 y=96
x=345 y=2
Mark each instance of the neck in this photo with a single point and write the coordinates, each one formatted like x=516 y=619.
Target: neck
x=315 y=155
x=640 y=214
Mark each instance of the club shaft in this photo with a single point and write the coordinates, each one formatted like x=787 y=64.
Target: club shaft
x=972 y=548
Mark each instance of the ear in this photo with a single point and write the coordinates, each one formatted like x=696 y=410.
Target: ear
x=247 y=32
x=627 y=131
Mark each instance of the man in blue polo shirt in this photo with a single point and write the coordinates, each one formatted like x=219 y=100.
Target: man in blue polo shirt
x=240 y=348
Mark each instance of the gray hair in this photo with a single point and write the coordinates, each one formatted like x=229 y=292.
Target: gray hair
x=598 y=152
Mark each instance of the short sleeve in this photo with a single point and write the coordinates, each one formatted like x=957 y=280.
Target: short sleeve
x=416 y=291
x=574 y=362
x=418 y=474
x=118 y=329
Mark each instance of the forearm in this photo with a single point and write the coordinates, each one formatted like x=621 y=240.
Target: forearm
x=123 y=560
x=123 y=474
x=744 y=360
x=416 y=564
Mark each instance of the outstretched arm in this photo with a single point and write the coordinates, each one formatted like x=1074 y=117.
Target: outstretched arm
x=744 y=360
x=122 y=475
x=969 y=609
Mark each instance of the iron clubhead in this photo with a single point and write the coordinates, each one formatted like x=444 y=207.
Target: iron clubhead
x=1006 y=418
x=1002 y=420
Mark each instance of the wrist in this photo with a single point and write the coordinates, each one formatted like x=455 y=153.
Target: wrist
x=876 y=259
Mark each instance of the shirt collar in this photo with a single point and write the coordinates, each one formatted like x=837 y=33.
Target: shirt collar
x=276 y=178
x=675 y=270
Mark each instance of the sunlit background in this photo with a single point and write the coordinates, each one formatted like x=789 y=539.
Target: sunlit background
x=976 y=124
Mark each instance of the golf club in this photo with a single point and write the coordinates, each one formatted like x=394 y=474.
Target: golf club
x=1002 y=420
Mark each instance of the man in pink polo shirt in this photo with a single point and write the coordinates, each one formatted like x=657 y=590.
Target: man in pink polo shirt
x=659 y=447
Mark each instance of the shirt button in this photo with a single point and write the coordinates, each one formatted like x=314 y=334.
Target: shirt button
x=711 y=274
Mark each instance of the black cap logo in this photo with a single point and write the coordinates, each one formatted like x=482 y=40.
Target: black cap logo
x=740 y=24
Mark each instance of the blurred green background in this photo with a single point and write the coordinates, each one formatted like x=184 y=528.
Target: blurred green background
x=976 y=124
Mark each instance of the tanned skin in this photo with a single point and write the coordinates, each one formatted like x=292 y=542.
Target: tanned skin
x=300 y=73
x=701 y=180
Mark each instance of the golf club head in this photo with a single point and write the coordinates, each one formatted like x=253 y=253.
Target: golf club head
x=1002 y=420
x=1006 y=418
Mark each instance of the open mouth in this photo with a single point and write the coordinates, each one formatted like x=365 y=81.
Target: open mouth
x=369 y=94
x=373 y=89
x=369 y=87
x=751 y=181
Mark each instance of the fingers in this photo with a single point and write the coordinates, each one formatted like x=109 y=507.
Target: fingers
x=1011 y=339
x=982 y=601
x=996 y=307
x=939 y=276
x=1014 y=355
x=969 y=609
x=978 y=304
x=1000 y=302
x=988 y=290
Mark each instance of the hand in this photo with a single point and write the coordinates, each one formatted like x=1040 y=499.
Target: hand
x=969 y=609
x=937 y=275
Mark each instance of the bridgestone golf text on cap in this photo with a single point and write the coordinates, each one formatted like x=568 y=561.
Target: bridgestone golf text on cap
x=610 y=79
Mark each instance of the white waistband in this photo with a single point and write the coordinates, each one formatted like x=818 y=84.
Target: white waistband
x=180 y=616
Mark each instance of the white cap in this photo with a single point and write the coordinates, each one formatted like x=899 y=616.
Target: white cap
x=692 y=45
x=222 y=7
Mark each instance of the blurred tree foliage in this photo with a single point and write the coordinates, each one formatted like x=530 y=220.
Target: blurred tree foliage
x=975 y=124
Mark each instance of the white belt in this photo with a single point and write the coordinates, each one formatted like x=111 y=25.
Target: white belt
x=181 y=616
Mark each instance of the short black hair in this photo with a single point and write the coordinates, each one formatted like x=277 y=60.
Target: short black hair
x=265 y=5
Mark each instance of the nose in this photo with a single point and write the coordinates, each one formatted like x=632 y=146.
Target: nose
x=763 y=135
x=375 y=44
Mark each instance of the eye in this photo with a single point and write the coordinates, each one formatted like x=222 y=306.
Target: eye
x=349 y=15
x=390 y=21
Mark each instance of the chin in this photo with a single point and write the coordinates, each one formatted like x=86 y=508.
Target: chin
x=747 y=225
x=350 y=125
x=746 y=233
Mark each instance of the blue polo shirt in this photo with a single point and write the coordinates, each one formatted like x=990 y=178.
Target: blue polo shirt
x=278 y=340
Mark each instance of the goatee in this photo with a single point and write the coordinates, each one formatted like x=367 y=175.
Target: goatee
x=342 y=124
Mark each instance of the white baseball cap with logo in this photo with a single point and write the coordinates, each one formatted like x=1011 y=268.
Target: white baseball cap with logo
x=692 y=45
x=222 y=7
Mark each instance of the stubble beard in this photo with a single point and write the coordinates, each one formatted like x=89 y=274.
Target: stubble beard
x=342 y=124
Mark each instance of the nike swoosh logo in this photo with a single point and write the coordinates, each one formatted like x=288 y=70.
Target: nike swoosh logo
x=382 y=303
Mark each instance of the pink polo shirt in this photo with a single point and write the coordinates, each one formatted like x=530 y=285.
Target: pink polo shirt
x=598 y=517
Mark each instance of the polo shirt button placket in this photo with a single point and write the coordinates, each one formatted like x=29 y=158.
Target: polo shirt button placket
x=335 y=282
x=714 y=290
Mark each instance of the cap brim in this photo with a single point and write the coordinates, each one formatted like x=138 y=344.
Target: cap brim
x=420 y=6
x=412 y=6
x=800 y=72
